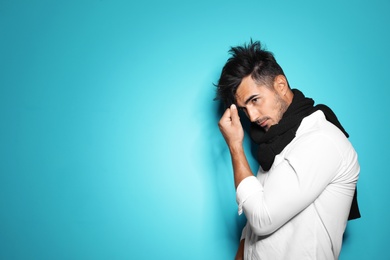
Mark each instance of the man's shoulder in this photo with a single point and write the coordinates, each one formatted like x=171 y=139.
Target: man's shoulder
x=317 y=125
x=318 y=135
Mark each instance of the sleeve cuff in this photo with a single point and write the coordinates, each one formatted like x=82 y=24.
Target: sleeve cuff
x=245 y=189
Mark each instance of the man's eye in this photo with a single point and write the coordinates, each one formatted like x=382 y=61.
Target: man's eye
x=254 y=100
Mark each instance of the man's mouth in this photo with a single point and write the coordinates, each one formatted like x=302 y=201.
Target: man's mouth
x=262 y=123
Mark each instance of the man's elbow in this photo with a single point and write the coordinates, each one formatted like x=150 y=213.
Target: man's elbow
x=261 y=224
x=259 y=216
x=262 y=231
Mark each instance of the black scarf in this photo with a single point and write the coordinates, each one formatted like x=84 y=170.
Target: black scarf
x=278 y=136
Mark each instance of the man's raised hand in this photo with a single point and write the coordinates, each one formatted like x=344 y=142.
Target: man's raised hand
x=231 y=128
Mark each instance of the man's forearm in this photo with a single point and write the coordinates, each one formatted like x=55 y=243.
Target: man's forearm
x=240 y=251
x=240 y=164
x=233 y=133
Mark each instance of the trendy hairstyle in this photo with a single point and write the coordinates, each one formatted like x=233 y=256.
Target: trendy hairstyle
x=249 y=59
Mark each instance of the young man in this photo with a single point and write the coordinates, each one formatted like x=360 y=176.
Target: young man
x=298 y=204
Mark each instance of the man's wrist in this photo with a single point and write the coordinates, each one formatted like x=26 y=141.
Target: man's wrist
x=235 y=148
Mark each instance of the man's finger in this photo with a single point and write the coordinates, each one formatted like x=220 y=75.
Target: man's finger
x=225 y=118
x=234 y=114
x=227 y=115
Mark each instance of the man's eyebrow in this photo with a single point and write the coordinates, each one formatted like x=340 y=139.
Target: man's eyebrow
x=250 y=98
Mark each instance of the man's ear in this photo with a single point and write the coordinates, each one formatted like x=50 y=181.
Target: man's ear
x=281 y=85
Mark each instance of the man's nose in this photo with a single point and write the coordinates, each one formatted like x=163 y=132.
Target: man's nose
x=252 y=114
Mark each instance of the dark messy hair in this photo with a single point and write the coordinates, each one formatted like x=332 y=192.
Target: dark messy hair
x=249 y=59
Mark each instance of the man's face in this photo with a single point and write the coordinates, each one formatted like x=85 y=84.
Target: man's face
x=263 y=106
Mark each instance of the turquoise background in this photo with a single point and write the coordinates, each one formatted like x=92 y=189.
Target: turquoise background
x=109 y=145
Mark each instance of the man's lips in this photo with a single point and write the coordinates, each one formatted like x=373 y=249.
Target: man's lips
x=262 y=123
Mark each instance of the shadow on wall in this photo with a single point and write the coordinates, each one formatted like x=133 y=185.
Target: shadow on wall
x=223 y=180
x=225 y=223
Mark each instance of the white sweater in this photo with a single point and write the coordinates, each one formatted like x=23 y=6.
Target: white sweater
x=299 y=208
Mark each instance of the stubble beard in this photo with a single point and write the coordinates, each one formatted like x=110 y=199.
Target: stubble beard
x=282 y=106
